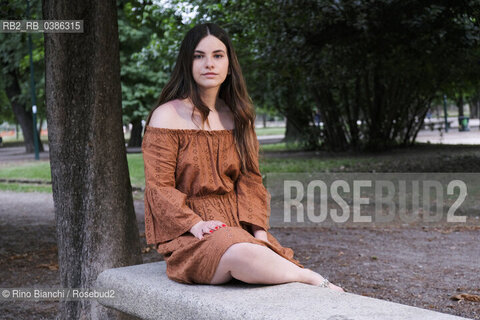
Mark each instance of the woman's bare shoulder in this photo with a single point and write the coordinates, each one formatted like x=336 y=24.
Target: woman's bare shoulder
x=166 y=116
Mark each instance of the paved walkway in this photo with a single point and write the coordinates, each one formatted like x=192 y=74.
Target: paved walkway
x=19 y=154
x=453 y=136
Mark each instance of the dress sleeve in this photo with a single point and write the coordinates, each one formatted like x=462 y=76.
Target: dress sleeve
x=253 y=199
x=166 y=214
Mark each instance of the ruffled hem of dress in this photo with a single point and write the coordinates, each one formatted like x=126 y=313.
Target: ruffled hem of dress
x=205 y=275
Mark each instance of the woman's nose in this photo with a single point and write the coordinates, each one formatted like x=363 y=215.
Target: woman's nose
x=208 y=62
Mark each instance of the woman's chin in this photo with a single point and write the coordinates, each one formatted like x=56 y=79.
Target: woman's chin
x=209 y=85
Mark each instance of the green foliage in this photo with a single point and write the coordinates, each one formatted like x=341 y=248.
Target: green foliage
x=149 y=41
x=14 y=57
x=138 y=79
x=6 y=113
x=373 y=67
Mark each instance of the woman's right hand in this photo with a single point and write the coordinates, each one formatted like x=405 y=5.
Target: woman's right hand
x=206 y=227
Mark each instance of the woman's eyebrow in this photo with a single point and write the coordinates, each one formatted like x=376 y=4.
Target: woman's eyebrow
x=199 y=51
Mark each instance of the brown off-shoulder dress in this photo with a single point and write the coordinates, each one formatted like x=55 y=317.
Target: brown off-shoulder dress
x=193 y=175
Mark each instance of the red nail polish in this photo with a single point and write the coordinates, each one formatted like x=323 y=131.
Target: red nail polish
x=211 y=230
x=224 y=225
x=216 y=227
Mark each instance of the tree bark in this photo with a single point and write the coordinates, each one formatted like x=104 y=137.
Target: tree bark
x=24 y=118
x=95 y=217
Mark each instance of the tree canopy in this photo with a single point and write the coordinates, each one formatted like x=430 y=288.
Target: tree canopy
x=372 y=68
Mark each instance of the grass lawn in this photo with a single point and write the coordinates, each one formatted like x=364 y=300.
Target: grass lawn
x=29 y=170
x=40 y=170
x=280 y=146
x=278 y=158
x=135 y=167
x=270 y=131
x=269 y=165
x=20 y=187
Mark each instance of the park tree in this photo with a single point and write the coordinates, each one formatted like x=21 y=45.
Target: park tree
x=464 y=86
x=95 y=218
x=15 y=73
x=138 y=79
x=6 y=113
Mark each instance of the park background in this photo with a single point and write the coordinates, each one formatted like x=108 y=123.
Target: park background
x=349 y=86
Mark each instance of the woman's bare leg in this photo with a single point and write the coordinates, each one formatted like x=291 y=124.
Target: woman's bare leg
x=256 y=264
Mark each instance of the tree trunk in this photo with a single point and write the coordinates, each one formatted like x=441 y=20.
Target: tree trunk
x=334 y=131
x=376 y=138
x=475 y=106
x=24 y=118
x=95 y=217
x=40 y=125
x=460 y=105
x=297 y=122
x=136 y=134
x=292 y=131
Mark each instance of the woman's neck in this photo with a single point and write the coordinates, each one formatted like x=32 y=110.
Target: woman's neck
x=209 y=97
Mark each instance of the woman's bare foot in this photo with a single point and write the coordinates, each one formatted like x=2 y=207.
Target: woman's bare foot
x=317 y=280
x=335 y=288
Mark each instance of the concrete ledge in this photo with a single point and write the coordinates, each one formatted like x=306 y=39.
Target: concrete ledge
x=146 y=292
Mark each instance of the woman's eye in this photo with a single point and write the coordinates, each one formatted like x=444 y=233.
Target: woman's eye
x=197 y=56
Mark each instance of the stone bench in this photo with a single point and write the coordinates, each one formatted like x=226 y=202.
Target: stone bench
x=144 y=291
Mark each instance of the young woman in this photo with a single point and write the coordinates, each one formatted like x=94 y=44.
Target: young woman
x=206 y=208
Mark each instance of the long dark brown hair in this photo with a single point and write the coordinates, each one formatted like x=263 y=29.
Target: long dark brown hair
x=233 y=91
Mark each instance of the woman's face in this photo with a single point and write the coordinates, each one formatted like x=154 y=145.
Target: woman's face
x=210 y=63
